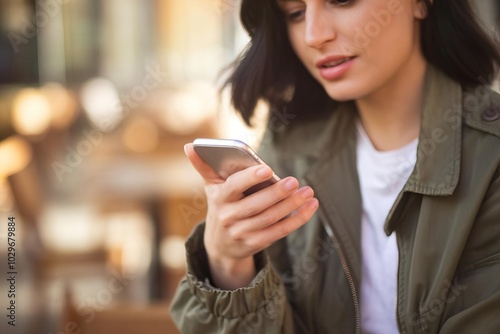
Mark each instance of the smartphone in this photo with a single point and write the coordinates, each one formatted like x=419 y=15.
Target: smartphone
x=228 y=156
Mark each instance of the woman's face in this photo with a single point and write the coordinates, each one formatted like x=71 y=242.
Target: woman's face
x=355 y=47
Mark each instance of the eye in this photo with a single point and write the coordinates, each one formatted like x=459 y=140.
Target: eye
x=295 y=15
x=293 y=11
x=340 y=3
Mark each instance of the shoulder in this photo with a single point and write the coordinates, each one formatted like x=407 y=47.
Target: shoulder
x=481 y=110
x=481 y=131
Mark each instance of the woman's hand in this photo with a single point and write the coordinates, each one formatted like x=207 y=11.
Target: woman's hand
x=237 y=227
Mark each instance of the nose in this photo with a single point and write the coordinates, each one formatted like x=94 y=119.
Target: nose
x=319 y=28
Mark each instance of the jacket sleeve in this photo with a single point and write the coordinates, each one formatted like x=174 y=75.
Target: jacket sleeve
x=198 y=307
x=478 y=290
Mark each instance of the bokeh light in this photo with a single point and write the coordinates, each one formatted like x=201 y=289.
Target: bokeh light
x=102 y=104
x=141 y=135
x=62 y=104
x=188 y=108
x=31 y=112
x=15 y=155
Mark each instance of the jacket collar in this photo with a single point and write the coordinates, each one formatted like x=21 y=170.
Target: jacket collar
x=439 y=149
x=335 y=182
x=437 y=168
x=333 y=173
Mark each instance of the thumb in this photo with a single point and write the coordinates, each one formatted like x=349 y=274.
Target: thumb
x=204 y=169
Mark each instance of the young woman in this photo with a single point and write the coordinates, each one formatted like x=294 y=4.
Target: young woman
x=394 y=134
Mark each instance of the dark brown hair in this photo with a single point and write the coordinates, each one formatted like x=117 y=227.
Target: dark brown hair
x=269 y=70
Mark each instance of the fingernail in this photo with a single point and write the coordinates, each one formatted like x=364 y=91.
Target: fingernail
x=185 y=149
x=307 y=192
x=291 y=184
x=313 y=204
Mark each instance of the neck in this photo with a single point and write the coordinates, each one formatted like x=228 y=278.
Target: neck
x=391 y=115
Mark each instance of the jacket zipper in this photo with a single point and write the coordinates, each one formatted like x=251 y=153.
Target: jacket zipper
x=347 y=273
x=397 y=283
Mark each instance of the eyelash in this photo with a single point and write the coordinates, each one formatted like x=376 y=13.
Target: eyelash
x=347 y=3
x=295 y=15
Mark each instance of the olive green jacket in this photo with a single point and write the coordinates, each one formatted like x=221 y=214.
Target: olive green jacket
x=446 y=219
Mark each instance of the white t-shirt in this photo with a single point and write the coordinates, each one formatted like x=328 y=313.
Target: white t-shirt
x=382 y=175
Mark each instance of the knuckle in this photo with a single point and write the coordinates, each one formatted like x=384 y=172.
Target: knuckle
x=304 y=215
x=229 y=181
x=228 y=191
x=232 y=191
x=282 y=231
x=213 y=192
x=252 y=243
x=297 y=201
x=251 y=210
x=256 y=244
x=230 y=186
x=282 y=192
x=235 y=234
x=279 y=190
x=266 y=219
x=225 y=218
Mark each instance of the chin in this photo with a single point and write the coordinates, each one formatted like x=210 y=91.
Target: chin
x=345 y=91
x=342 y=93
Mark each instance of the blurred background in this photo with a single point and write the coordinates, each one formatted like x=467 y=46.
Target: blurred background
x=97 y=99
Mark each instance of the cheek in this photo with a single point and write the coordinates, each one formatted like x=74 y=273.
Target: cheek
x=387 y=44
x=379 y=24
x=297 y=42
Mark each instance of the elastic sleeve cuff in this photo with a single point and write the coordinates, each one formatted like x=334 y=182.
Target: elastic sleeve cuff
x=266 y=286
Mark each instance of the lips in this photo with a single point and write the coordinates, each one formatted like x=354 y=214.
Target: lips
x=335 y=67
x=333 y=61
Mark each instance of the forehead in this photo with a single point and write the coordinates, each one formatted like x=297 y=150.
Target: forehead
x=285 y=1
